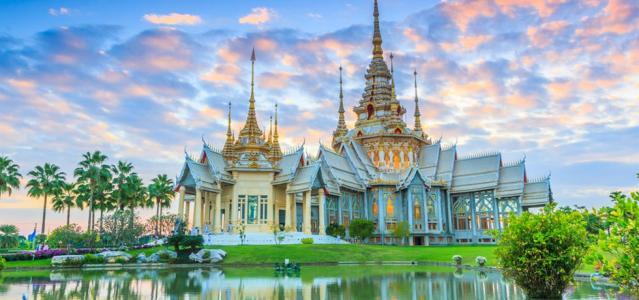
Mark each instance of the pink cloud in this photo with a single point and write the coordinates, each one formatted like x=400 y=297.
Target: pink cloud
x=223 y=74
x=173 y=19
x=274 y=80
x=258 y=16
x=463 y=13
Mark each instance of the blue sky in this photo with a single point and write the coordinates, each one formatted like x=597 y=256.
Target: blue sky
x=555 y=81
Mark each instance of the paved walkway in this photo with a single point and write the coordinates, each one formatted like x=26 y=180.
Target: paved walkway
x=228 y=239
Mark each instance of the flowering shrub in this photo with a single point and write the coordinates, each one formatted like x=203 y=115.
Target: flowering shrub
x=44 y=254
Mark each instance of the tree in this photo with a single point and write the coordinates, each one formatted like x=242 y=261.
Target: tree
x=9 y=176
x=167 y=222
x=46 y=181
x=161 y=190
x=361 y=229
x=402 y=231
x=91 y=174
x=618 y=252
x=65 y=200
x=542 y=251
x=8 y=236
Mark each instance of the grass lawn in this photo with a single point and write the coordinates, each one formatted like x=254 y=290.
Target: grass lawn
x=269 y=254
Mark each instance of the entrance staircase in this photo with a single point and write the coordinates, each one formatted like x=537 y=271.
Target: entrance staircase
x=228 y=239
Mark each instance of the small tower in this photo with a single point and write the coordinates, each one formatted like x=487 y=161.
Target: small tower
x=276 y=151
x=228 y=151
x=341 y=129
x=418 y=124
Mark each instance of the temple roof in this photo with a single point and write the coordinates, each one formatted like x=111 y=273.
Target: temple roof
x=537 y=193
x=288 y=166
x=476 y=173
x=511 y=180
x=341 y=170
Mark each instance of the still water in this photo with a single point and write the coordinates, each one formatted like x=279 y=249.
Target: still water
x=335 y=282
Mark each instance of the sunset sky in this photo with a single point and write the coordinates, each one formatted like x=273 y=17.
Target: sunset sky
x=554 y=80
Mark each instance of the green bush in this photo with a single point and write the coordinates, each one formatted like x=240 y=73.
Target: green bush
x=307 y=241
x=402 y=231
x=120 y=260
x=542 y=251
x=336 y=230
x=361 y=229
x=66 y=235
x=3 y=262
x=618 y=253
x=9 y=237
x=93 y=259
x=193 y=241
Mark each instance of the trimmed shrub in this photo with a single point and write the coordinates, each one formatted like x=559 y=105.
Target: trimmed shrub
x=93 y=259
x=307 y=241
x=120 y=260
x=65 y=235
x=194 y=242
x=3 y=262
x=361 y=229
x=541 y=252
x=336 y=230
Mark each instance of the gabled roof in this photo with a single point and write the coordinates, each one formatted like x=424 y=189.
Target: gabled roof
x=537 y=192
x=288 y=165
x=408 y=176
x=358 y=163
x=446 y=164
x=304 y=178
x=476 y=173
x=511 y=180
x=216 y=163
x=196 y=175
x=428 y=159
x=341 y=170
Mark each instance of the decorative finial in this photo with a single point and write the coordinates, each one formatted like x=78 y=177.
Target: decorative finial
x=377 y=36
x=418 y=123
x=391 y=61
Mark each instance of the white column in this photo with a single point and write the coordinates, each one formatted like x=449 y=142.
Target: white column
x=187 y=212
x=322 y=200
x=307 y=213
x=217 y=219
x=197 y=214
x=181 y=193
x=289 y=211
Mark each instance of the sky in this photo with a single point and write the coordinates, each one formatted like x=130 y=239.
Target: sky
x=555 y=81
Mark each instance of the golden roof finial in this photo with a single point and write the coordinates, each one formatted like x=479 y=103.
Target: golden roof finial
x=276 y=152
x=228 y=150
x=377 y=36
x=251 y=130
x=394 y=96
x=270 y=130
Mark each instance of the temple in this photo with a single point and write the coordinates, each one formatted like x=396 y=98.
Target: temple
x=382 y=170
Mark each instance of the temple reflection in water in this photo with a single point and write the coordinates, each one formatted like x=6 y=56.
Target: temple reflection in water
x=343 y=282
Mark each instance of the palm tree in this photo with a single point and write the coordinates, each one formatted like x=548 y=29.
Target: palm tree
x=66 y=199
x=9 y=176
x=46 y=181
x=91 y=172
x=160 y=190
x=120 y=193
x=8 y=236
x=138 y=195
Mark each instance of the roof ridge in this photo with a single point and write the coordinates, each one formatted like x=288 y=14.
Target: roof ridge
x=479 y=155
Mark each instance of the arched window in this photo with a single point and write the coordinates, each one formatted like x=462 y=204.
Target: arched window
x=432 y=203
x=417 y=208
x=375 y=208
x=357 y=207
x=484 y=210
x=398 y=130
x=462 y=213
x=506 y=207
x=390 y=207
x=370 y=110
x=359 y=133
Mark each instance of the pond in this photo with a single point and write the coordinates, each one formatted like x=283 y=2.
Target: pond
x=313 y=282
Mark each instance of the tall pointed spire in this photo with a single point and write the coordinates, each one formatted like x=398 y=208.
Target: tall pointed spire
x=418 y=123
x=393 y=95
x=270 y=131
x=251 y=133
x=228 y=151
x=341 y=129
x=276 y=151
x=377 y=36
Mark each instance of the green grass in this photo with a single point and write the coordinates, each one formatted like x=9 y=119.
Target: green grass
x=315 y=253
x=269 y=254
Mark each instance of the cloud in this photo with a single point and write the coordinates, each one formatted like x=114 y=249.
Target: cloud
x=62 y=11
x=173 y=19
x=258 y=16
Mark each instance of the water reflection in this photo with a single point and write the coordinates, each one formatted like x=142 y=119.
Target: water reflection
x=346 y=282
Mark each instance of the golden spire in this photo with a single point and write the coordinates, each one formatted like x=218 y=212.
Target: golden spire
x=270 y=131
x=377 y=36
x=418 y=123
x=251 y=130
x=276 y=152
x=341 y=124
x=228 y=150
